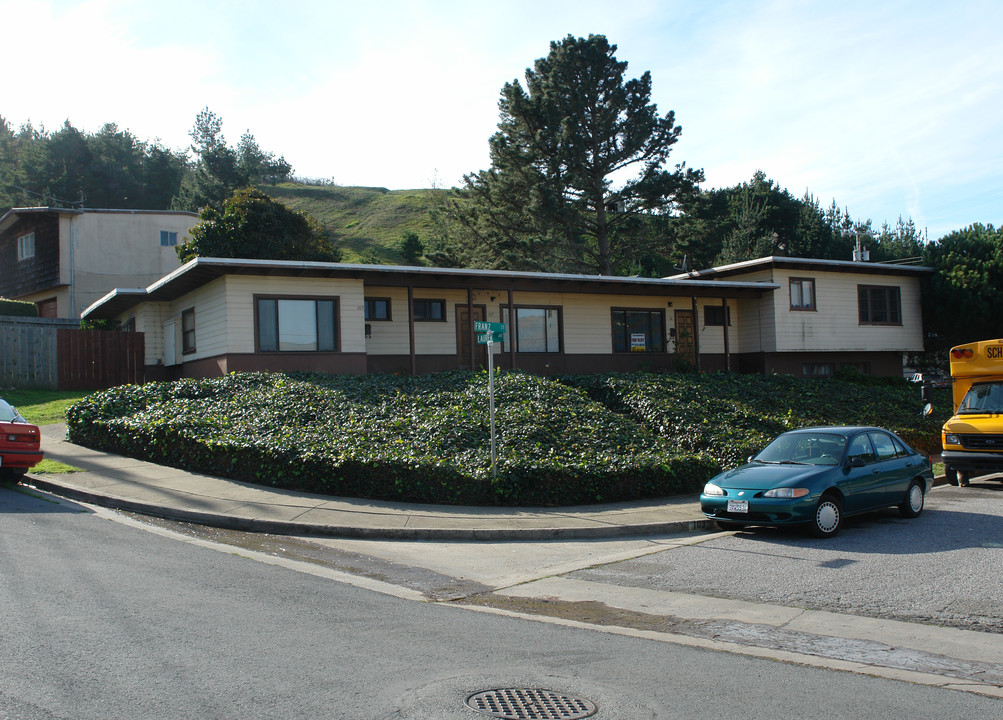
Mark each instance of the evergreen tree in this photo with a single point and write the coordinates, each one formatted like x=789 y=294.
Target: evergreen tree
x=549 y=200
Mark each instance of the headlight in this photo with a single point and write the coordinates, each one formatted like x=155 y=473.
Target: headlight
x=786 y=493
x=950 y=439
x=712 y=489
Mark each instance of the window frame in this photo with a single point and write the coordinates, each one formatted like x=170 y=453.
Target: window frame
x=800 y=283
x=512 y=328
x=708 y=322
x=865 y=305
x=335 y=318
x=188 y=346
x=26 y=247
x=370 y=318
x=829 y=369
x=627 y=347
x=428 y=302
x=168 y=238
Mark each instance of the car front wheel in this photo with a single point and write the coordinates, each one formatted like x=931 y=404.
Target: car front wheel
x=828 y=517
x=912 y=504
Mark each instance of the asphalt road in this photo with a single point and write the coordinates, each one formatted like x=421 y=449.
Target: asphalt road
x=106 y=620
x=942 y=568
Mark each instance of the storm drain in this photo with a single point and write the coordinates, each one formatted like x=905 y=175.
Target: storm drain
x=522 y=703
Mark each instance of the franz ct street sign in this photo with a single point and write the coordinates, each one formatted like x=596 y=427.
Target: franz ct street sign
x=488 y=333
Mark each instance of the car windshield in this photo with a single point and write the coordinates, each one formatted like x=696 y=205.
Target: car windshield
x=9 y=414
x=983 y=398
x=804 y=449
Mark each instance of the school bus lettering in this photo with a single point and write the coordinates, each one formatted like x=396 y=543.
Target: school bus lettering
x=994 y=352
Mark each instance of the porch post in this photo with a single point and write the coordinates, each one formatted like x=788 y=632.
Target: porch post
x=410 y=329
x=727 y=354
x=510 y=330
x=696 y=332
x=470 y=328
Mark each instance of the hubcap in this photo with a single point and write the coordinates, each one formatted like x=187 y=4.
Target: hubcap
x=916 y=498
x=827 y=517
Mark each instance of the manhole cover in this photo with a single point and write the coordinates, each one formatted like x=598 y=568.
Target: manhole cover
x=520 y=703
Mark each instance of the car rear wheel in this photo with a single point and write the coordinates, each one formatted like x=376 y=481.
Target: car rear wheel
x=12 y=475
x=828 y=516
x=912 y=504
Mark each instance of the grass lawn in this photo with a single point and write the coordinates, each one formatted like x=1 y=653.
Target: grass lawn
x=42 y=407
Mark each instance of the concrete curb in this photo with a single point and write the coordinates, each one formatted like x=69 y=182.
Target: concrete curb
x=280 y=527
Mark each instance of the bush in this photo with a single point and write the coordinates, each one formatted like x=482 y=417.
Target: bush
x=572 y=440
x=18 y=308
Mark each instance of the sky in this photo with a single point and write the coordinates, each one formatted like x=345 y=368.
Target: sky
x=888 y=108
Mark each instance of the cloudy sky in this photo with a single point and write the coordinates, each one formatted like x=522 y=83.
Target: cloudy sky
x=891 y=108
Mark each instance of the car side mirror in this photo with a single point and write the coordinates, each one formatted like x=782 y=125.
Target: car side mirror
x=750 y=458
x=856 y=461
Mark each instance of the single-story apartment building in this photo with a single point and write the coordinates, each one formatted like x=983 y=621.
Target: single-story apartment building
x=218 y=315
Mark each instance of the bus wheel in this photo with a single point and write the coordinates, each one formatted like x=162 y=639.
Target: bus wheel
x=951 y=474
x=963 y=479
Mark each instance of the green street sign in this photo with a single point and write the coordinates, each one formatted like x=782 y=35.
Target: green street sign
x=497 y=337
x=489 y=327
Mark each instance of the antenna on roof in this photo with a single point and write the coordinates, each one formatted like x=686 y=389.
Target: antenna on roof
x=686 y=265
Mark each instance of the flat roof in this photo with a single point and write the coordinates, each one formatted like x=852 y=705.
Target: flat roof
x=808 y=264
x=11 y=216
x=202 y=270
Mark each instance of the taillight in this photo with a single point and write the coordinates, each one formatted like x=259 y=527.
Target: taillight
x=959 y=354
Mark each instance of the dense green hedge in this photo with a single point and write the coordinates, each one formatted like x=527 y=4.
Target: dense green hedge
x=18 y=308
x=566 y=441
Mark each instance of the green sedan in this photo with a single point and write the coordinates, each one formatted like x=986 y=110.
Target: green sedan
x=817 y=476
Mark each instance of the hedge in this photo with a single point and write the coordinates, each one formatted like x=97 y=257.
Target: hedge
x=560 y=441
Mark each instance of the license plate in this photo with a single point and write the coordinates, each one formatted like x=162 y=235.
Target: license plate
x=738 y=506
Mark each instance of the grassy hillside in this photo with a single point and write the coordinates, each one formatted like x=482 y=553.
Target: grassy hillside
x=365 y=223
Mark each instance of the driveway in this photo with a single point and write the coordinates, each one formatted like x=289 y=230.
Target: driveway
x=942 y=568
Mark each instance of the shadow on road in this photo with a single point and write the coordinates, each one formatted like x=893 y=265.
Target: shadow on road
x=21 y=499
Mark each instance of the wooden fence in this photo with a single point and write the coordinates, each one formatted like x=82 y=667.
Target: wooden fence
x=57 y=355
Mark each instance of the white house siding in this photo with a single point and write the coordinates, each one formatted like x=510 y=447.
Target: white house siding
x=237 y=305
x=835 y=325
x=149 y=318
x=209 y=303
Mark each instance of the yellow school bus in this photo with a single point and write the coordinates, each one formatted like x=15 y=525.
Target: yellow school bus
x=973 y=438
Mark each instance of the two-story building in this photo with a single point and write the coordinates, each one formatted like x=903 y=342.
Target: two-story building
x=65 y=259
x=811 y=317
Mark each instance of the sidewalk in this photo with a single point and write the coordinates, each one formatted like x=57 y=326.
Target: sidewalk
x=127 y=484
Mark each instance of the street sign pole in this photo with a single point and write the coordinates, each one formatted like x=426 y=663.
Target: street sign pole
x=491 y=403
x=488 y=333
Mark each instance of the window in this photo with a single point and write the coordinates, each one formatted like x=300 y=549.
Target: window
x=297 y=325
x=802 y=294
x=430 y=310
x=129 y=325
x=638 y=331
x=879 y=305
x=188 y=331
x=817 y=369
x=377 y=308
x=168 y=239
x=26 y=247
x=537 y=329
x=883 y=446
x=860 y=447
x=714 y=315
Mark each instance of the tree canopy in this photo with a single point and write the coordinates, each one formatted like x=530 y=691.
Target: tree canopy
x=252 y=225
x=964 y=300
x=578 y=158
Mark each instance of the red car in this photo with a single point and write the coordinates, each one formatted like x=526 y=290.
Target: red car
x=19 y=444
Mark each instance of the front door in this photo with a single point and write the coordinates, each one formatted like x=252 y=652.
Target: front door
x=480 y=359
x=686 y=349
